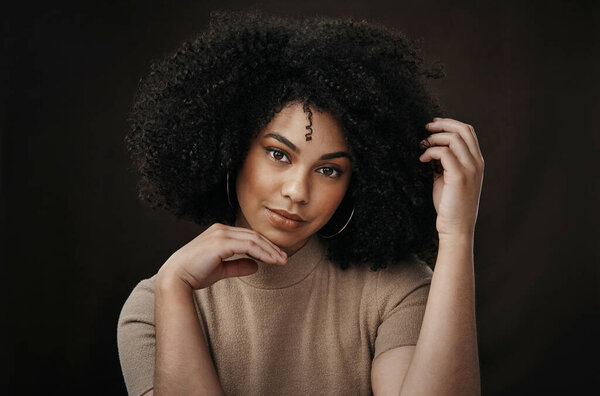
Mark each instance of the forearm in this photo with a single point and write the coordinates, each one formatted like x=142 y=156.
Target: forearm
x=446 y=360
x=183 y=363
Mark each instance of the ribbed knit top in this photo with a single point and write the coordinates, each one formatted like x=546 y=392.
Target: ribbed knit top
x=304 y=328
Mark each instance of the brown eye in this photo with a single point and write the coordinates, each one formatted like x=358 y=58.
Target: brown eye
x=277 y=155
x=331 y=172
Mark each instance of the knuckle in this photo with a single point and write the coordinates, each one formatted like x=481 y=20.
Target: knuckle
x=461 y=177
x=257 y=238
x=471 y=169
x=216 y=226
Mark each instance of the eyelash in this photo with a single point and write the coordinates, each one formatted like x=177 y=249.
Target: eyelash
x=270 y=150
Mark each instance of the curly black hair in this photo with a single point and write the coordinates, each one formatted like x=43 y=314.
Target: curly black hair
x=195 y=114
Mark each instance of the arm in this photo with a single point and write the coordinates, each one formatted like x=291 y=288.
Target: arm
x=183 y=361
x=445 y=360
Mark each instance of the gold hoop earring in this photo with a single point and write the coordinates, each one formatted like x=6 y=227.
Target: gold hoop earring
x=343 y=228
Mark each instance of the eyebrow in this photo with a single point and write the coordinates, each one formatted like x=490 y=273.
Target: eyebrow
x=292 y=146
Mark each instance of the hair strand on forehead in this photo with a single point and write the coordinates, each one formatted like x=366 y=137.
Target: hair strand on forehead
x=307 y=109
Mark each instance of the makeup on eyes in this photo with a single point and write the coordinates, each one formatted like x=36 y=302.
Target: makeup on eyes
x=276 y=150
x=296 y=150
x=272 y=150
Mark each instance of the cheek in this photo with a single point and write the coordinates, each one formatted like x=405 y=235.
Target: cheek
x=253 y=180
x=329 y=199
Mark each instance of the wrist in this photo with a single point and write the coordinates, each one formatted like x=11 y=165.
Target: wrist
x=167 y=280
x=461 y=239
x=455 y=251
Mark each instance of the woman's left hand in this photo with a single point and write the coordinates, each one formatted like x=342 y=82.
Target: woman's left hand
x=457 y=182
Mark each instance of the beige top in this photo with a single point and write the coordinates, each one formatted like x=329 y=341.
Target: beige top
x=301 y=329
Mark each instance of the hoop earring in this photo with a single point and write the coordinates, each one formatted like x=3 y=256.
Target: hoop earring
x=343 y=228
x=228 y=199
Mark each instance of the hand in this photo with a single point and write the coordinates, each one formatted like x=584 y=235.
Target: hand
x=200 y=263
x=457 y=182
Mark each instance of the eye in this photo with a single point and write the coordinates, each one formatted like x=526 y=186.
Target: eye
x=277 y=155
x=331 y=172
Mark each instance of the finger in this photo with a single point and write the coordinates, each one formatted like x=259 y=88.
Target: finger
x=258 y=250
x=450 y=124
x=445 y=155
x=277 y=249
x=238 y=267
x=248 y=231
x=278 y=252
x=466 y=131
x=455 y=142
x=245 y=233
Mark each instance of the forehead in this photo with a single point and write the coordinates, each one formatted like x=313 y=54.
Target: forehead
x=293 y=123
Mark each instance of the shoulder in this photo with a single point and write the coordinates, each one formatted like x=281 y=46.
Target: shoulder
x=136 y=338
x=139 y=305
x=401 y=293
x=385 y=285
x=408 y=273
x=398 y=280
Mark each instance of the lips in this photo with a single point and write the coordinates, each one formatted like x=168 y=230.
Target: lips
x=288 y=215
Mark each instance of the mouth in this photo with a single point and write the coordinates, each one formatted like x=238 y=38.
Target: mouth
x=287 y=215
x=282 y=222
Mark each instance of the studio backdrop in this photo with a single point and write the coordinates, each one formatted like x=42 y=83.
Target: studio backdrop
x=76 y=240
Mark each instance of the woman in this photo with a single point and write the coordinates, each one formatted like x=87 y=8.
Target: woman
x=306 y=148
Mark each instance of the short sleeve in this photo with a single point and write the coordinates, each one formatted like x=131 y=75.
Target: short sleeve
x=136 y=338
x=401 y=294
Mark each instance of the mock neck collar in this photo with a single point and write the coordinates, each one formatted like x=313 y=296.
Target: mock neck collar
x=298 y=266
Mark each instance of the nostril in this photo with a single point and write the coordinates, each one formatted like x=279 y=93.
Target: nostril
x=297 y=185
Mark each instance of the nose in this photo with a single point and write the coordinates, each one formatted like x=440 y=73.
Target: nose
x=296 y=187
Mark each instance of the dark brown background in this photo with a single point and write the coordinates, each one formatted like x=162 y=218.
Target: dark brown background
x=75 y=240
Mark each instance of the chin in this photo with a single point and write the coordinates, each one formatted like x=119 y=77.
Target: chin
x=285 y=239
x=280 y=238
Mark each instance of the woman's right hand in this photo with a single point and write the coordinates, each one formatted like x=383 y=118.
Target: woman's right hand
x=200 y=263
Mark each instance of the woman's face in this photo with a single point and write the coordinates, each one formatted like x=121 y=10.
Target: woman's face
x=284 y=172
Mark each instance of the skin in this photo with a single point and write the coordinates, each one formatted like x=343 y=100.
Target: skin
x=445 y=359
x=275 y=175
x=457 y=189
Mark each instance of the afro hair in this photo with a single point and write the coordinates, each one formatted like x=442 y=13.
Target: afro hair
x=196 y=112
